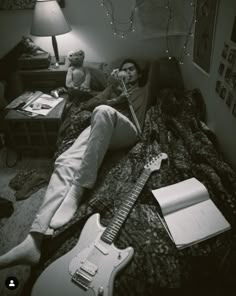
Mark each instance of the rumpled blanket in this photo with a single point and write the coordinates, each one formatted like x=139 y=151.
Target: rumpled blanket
x=157 y=265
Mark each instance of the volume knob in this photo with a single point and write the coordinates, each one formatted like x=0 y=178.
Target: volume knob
x=100 y=291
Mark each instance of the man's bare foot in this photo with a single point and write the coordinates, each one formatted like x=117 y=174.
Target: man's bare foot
x=68 y=207
x=26 y=253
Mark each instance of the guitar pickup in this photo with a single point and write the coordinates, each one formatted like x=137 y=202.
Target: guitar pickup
x=89 y=267
x=81 y=279
x=101 y=248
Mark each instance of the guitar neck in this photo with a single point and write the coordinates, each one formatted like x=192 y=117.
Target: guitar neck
x=113 y=228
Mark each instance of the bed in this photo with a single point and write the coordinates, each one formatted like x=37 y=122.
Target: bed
x=176 y=126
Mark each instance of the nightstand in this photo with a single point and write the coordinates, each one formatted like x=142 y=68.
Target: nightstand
x=34 y=135
x=37 y=135
x=43 y=79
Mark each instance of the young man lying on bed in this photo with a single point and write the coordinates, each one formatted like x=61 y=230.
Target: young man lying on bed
x=76 y=169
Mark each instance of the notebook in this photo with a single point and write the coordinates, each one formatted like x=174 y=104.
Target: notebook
x=188 y=213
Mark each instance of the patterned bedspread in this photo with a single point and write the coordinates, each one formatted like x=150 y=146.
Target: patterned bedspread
x=176 y=128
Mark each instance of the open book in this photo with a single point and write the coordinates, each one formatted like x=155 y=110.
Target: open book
x=188 y=214
x=34 y=103
x=42 y=105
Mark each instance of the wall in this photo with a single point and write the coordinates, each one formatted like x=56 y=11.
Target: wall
x=91 y=31
x=220 y=119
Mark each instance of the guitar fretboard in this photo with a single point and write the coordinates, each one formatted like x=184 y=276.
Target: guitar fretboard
x=113 y=228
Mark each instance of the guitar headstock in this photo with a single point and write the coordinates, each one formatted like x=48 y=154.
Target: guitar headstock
x=155 y=163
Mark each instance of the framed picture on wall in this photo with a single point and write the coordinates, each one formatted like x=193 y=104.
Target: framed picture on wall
x=233 y=35
x=223 y=92
x=225 y=51
x=19 y=4
x=234 y=110
x=229 y=99
x=206 y=12
x=218 y=86
x=232 y=56
x=221 y=69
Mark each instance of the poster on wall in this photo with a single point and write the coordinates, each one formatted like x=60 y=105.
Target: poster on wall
x=19 y=4
x=206 y=13
x=233 y=35
x=226 y=83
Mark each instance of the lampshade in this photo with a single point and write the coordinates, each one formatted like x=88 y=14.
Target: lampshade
x=48 y=19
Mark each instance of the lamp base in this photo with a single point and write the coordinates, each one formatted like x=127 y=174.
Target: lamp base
x=62 y=61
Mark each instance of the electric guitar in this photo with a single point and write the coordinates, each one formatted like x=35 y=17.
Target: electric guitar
x=89 y=269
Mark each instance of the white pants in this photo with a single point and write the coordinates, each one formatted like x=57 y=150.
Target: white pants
x=80 y=163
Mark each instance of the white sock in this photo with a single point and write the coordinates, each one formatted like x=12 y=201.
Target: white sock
x=68 y=207
x=26 y=253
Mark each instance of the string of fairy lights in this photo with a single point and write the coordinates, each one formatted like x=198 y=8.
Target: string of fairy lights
x=167 y=35
x=120 y=28
x=123 y=28
x=189 y=34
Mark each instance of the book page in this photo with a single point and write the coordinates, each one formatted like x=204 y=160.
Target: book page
x=180 y=195
x=44 y=99
x=26 y=98
x=196 y=223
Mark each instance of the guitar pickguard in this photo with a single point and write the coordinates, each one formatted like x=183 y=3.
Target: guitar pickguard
x=96 y=265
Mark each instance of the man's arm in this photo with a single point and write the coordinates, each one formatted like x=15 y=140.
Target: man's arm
x=122 y=98
x=99 y=99
x=69 y=76
x=116 y=101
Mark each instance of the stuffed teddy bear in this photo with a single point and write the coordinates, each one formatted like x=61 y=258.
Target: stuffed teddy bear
x=78 y=78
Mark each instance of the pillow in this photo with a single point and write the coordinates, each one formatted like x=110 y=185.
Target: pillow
x=170 y=75
x=98 y=75
x=98 y=79
x=164 y=73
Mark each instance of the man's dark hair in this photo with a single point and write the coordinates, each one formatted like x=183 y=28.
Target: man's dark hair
x=132 y=62
x=142 y=79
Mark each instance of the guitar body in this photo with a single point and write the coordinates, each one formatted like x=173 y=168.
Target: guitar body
x=89 y=269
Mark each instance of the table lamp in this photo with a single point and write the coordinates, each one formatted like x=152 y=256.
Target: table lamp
x=48 y=20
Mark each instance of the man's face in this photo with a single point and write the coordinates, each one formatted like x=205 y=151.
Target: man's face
x=132 y=73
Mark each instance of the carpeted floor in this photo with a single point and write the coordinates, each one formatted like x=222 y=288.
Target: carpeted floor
x=15 y=228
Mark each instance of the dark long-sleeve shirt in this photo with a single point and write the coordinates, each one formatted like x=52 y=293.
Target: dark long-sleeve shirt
x=138 y=99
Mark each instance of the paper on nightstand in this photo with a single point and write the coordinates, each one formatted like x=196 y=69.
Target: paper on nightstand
x=26 y=98
x=43 y=100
